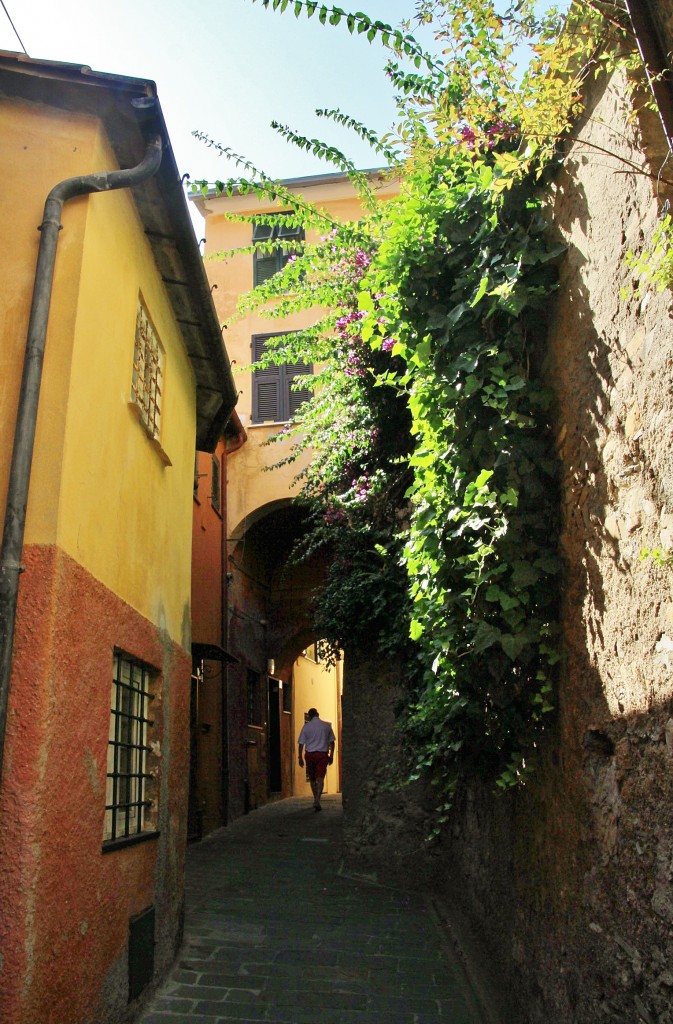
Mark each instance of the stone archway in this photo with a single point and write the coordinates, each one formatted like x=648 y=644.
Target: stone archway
x=269 y=623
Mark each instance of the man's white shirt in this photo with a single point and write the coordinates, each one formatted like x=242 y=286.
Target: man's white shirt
x=316 y=735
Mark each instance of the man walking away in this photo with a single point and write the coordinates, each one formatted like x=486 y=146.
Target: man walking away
x=318 y=739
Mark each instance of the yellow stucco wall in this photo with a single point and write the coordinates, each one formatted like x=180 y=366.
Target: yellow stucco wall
x=316 y=686
x=249 y=487
x=100 y=489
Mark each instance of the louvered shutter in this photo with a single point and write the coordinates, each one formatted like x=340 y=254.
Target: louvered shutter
x=266 y=263
x=296 y=396
x=272 y=395
x=289 y=237
x=266 y=266
x=266 y=387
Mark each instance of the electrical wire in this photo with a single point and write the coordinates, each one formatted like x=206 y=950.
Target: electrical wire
x=14 y=27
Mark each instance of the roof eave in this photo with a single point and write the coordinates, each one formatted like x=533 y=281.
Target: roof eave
x=130 y=111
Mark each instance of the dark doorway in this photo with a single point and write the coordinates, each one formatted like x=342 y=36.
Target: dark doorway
x=275 y=771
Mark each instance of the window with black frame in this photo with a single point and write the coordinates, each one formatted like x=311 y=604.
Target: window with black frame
x=254 y=698
x=274 y=399
x=281 y=241
x=131 y=804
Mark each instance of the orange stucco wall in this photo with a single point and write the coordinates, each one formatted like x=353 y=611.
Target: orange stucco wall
x=207 y=627
x=207 y=551
x=92 y=457
x=108 y=561
x=251 y=486
x=66 y=904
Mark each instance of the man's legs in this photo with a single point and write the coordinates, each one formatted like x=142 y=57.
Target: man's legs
x=317 y=792
x=316 y=766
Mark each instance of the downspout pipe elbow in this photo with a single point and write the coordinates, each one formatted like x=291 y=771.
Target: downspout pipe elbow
x=26 y=418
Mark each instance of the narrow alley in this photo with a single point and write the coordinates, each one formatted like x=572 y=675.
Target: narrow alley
x=275 y=932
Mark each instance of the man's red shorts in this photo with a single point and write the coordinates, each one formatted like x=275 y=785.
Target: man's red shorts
x=316 y=764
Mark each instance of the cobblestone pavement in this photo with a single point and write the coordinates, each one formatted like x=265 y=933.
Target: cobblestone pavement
x=275 y=933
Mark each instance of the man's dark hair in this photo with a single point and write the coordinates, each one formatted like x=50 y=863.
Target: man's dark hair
x=312 y=713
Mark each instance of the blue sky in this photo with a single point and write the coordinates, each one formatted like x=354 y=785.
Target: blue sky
x=227 y=68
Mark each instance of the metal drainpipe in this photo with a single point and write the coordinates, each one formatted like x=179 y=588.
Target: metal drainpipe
x=239 y=440
x=26 y=417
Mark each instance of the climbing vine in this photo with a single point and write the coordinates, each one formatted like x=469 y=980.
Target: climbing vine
x=432 y=479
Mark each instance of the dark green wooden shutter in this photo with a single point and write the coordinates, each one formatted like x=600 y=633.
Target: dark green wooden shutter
x=296 y=396
x=141 y=952
x=272 y=395
x=266 y=387
x=266 y=264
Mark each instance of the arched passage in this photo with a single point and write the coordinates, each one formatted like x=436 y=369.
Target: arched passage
x=272 y=682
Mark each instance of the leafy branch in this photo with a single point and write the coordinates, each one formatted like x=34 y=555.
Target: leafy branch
x=432 y=480
x=359 y=23
x=366 y=134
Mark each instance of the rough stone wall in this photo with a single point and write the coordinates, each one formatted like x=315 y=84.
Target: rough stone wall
x=661 y=13
x=384 y=828
x=610 y=361
x=570 y=882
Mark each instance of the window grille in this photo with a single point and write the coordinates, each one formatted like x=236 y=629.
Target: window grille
x=254 y=711
x=315 y=652
x=130 y=807
x=148 y=367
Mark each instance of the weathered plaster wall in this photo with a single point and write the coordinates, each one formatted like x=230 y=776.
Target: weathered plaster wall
x=384 y=829
x=66 y=904
x=208 y=540
x=99 y=459
x=570 y=882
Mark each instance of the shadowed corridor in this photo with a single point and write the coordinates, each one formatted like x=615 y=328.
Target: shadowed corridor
x=276 y=932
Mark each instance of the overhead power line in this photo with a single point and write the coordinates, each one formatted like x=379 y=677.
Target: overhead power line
x=14 y=27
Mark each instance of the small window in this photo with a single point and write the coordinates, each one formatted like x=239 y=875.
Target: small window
x=314 y=652
x=132 y=765
x=287 y=696
x=269 y=261
x=274 y=399
x=148 y=373
x=254 y=691
x=216 y=488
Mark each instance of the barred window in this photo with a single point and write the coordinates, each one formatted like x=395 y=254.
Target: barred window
x=254 y=692
x=148 y=371
x=131 y=792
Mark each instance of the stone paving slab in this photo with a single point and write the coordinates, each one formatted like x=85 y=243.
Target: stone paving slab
x=274 y=934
